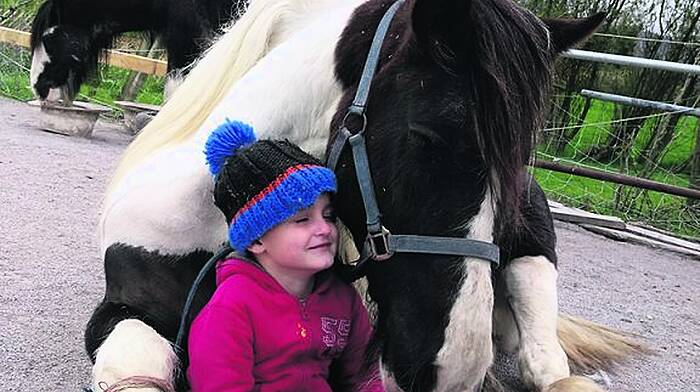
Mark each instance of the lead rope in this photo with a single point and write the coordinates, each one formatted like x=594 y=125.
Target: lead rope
x=226 y=249
x=139 y=382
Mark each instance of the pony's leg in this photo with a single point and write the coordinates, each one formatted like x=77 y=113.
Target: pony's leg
x=134 y=348
x=531 y=284
x=467 y=353
x=505 y=329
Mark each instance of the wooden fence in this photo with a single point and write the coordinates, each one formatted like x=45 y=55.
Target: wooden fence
x=115 y=58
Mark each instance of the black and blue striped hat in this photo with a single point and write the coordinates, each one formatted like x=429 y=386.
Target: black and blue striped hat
x=260 y=184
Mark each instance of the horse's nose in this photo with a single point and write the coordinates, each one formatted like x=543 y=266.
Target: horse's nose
x=42 y=90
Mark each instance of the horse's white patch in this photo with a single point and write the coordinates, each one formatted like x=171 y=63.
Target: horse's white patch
x=133 y=349
x=390 y=384
x=532 y=288
x=39 y=60
x=165 y=203
x=48 y=31
x=292 y=92
x=467 y=352
x=55 y=94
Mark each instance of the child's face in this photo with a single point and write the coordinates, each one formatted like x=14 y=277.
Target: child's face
x=304 y=243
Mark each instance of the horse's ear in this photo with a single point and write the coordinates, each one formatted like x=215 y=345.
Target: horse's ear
x=436 y=23
x=566 y=33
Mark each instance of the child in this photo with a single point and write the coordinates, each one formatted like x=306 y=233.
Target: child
x=279 y=317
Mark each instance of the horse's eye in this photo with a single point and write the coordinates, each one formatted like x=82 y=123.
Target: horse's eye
x=425 y=134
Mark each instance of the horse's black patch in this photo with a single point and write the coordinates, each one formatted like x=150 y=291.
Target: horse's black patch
x=147 y=286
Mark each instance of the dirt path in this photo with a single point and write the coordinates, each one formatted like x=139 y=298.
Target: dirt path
x=50 y=191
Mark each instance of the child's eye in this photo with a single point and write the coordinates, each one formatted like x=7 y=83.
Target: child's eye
x=331 y=217
x=301 y=219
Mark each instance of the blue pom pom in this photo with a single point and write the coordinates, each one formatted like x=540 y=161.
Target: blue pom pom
x=224 y=141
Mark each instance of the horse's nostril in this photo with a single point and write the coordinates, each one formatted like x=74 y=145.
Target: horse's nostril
x=42 y=90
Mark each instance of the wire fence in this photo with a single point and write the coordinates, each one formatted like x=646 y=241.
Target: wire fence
x=585 y=142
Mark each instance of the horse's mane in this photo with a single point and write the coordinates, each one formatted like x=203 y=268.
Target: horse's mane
x=511 y=88
x=509 y=78
x=224 y=63
x=42 y=21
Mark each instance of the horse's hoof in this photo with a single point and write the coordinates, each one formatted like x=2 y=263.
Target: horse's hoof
x=574 y=384
x=491 y=383
x=141 y=120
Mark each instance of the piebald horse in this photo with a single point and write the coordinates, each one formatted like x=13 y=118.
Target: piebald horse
x=68 y=36
x=460 y=89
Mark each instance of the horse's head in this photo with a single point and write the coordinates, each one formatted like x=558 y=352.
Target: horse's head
x=62 y=55
x=460 y=89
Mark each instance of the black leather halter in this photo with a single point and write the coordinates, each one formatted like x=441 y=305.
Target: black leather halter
x=380 y=244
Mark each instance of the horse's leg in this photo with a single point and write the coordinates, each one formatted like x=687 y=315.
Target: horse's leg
x=131 y=349
x=531 y=283
x=505 y=329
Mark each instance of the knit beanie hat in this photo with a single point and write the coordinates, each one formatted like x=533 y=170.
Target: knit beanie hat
x=260 y=184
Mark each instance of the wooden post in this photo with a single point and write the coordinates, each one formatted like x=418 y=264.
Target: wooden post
x=135 y=80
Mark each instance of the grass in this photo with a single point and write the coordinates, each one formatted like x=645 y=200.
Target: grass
x=13 y=82
x=595 y=130
x=655 y=208
x=105 y=88
x=658 y=209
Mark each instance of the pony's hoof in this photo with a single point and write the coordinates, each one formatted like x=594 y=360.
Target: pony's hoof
x=574 y=384
x=491 y=383
x=141 y=120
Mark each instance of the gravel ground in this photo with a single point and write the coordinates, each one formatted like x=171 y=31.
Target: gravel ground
x=50 y=191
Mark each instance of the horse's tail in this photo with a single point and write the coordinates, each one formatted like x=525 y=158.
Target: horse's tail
x=224 y=63
x=591 y=346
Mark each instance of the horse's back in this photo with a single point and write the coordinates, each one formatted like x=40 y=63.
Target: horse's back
x=163 y=205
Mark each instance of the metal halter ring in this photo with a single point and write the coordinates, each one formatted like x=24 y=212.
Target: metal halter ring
x=379 y=251
x=361 y=115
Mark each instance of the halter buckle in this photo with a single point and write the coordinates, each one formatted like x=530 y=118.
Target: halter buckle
x=379 y=250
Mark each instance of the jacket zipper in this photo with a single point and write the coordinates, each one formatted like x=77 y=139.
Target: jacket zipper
x=307 y=338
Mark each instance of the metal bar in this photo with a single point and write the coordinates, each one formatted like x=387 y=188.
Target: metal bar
x=619 y=179
x=667 y=107
x=631 y=61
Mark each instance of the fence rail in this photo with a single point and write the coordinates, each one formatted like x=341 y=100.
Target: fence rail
x=115 y=58
x=666 y=107
x=618 y=178
x=617 y=59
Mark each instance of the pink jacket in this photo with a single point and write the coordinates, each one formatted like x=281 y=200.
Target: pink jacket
x=254 y=336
